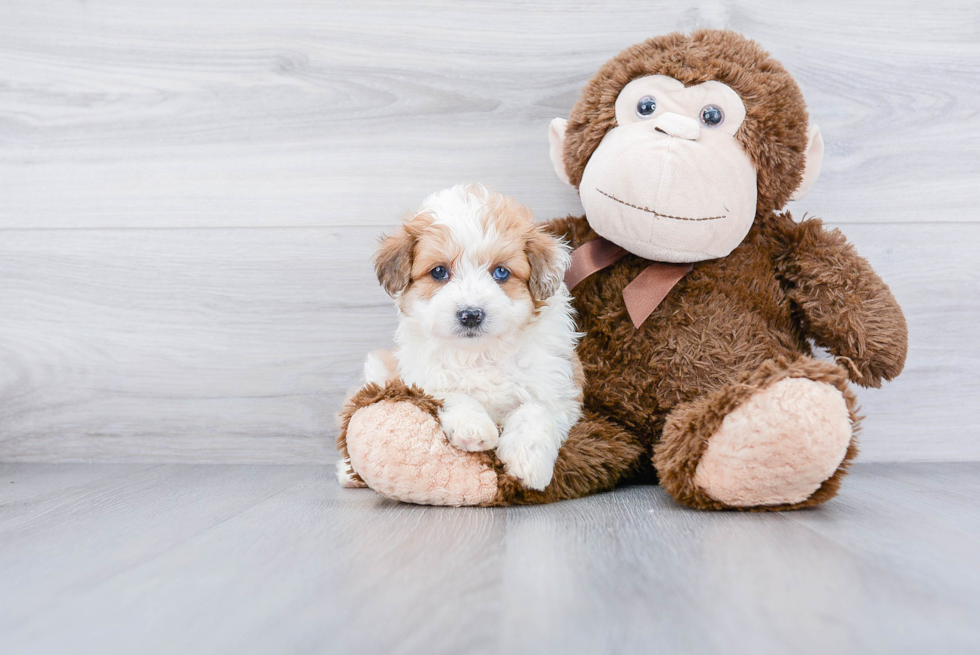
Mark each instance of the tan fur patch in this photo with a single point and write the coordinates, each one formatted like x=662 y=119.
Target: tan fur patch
x=543 y=253
x=578 y=374
x=393 y=262
x=519 y=245
x=432 y=245
x=435 y=246
x=526 y=249
x=507 y=250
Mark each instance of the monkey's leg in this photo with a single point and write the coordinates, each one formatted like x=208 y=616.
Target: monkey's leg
x=780 y=438
x=392 y=438
x=597 y=455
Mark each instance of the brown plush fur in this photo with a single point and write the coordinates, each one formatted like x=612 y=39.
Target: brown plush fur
x=843 y=304
x=732 y=322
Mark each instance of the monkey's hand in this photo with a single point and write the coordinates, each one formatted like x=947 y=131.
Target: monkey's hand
x=844 y=306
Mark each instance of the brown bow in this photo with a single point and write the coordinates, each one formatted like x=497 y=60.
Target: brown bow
x=644 y=293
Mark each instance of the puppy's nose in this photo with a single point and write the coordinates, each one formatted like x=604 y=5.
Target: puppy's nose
x=470 y=317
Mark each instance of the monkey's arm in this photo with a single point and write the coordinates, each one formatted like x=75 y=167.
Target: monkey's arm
x=843 y=304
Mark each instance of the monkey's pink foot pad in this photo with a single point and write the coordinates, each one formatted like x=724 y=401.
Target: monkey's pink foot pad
x=401 y=452
x=778 y=447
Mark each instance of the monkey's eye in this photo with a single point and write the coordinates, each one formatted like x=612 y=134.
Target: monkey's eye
x=646 y=106
x=712 y=116
x=500 y=274
x=440 y=273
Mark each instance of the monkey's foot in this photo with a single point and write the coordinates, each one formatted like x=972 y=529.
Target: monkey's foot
x=778 y=447
x=780 y=440
x=398 y=448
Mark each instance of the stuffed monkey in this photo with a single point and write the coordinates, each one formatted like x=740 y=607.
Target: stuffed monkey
x=699 y=297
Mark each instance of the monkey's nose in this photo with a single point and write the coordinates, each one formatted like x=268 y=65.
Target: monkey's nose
x=470 y=317
x=677 y=126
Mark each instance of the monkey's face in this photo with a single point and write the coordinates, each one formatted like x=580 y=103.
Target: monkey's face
x=670 y=182
x=678 y=173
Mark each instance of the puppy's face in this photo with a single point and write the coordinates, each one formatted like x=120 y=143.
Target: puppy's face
x=470 y=266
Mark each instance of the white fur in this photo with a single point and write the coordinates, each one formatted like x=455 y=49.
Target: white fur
x=378 y=369
x=511 y=387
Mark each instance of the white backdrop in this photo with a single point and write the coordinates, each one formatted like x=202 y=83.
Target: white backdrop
x=190 y=193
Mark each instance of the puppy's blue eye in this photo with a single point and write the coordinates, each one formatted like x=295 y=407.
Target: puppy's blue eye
x=646 y=106
x=712 y=116
x=440 y=273
x=500 y=274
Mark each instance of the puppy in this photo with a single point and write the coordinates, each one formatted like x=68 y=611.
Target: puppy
x=485 y=325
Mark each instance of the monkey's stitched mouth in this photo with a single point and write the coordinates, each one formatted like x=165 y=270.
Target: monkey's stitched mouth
x=656 y=213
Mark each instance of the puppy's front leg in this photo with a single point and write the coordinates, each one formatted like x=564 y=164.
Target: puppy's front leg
x=529 y=445
x=466 y=423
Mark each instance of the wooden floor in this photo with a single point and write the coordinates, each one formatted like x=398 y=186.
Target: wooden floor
x=185 y=558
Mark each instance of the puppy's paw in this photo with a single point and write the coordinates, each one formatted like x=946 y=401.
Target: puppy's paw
x=468 y=429
x=531 y=463
x=529 y=445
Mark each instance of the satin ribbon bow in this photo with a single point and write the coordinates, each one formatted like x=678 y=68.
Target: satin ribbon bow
x=644 y=294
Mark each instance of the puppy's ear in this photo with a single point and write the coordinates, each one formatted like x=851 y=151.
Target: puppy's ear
x=549 y=258
x=393 y=261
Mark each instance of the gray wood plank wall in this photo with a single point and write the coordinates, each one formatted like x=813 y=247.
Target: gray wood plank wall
x=190 y=192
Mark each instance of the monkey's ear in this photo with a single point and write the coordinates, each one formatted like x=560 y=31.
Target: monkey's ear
x=393 y=262
x=814 y=158
x=556 y=136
